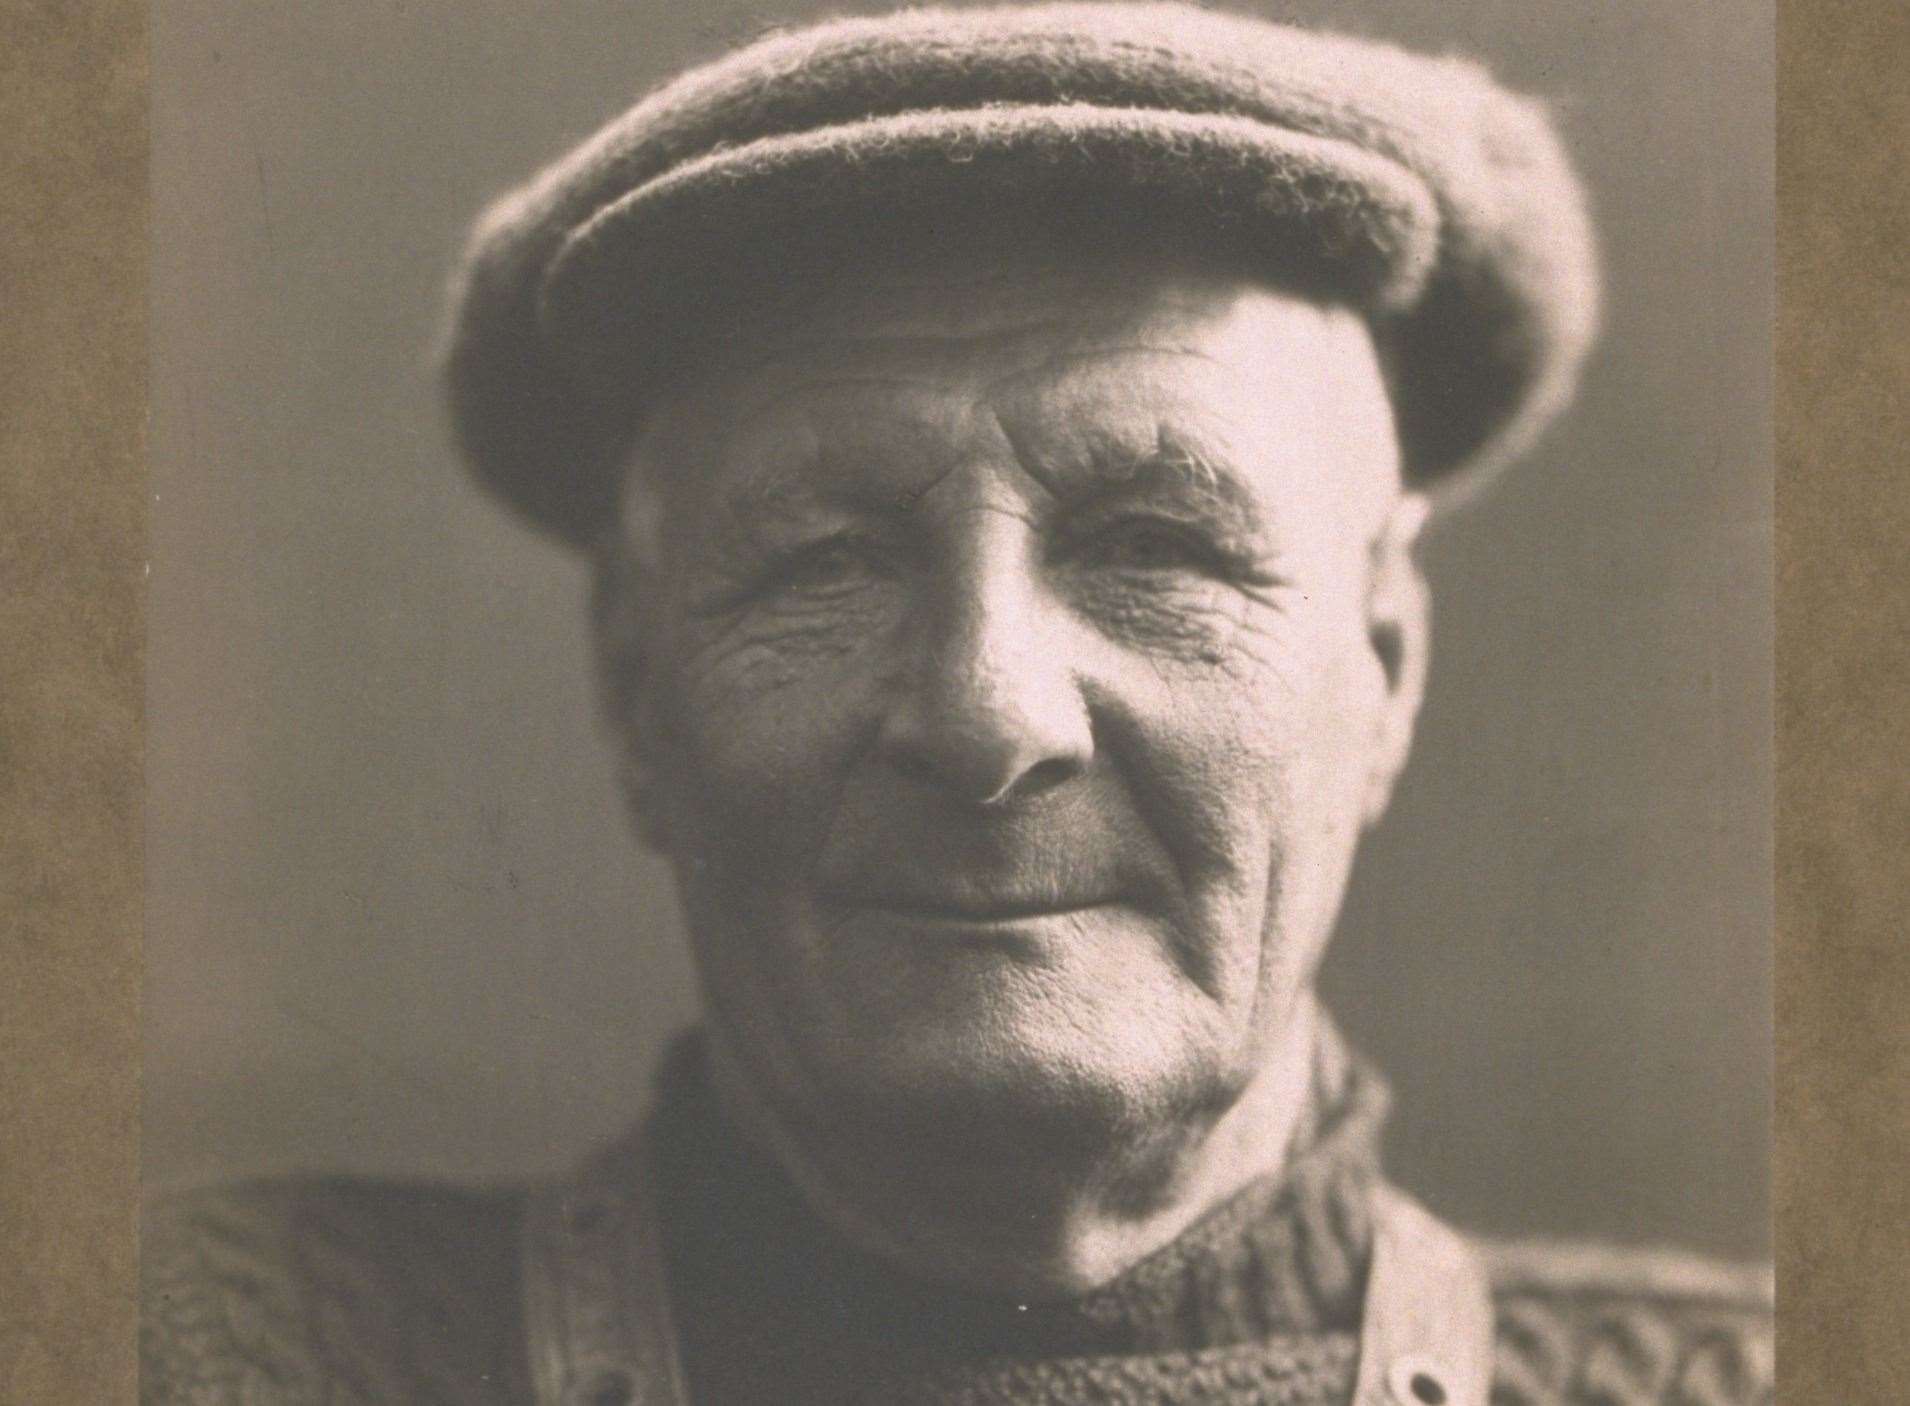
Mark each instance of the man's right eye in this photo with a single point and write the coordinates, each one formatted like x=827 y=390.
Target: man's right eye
x=829 y=564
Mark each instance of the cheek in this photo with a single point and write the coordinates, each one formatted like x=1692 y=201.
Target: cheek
x=1180 y=623
x=1318 y=804
x=759 y=721
x=1251 y=770
x=1318 y=740
x=1273 y=703
x=744 y=660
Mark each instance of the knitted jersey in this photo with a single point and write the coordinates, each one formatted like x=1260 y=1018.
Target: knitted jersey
x=341 y=1291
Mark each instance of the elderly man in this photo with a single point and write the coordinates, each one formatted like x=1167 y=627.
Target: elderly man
x=1001 y=439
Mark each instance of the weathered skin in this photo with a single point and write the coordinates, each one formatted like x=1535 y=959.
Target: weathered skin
x=1009 y=664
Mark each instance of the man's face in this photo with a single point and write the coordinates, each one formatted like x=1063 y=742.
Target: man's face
x=1009 y=685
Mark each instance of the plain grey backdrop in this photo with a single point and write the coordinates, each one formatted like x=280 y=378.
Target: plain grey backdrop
x=395 y=921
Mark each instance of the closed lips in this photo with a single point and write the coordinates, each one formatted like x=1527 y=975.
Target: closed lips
x=971 y=906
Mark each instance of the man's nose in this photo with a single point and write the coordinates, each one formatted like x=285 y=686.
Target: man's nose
x=989 y=706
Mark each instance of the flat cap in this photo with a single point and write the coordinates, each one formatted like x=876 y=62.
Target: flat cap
x=1413 y=188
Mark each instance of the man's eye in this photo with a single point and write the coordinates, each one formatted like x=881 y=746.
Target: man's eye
x=831 y=563
x=1151 y=546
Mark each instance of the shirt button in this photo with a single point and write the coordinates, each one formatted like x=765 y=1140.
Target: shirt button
x=608 y=1388
x=1417 y=1381
x=583 y=1217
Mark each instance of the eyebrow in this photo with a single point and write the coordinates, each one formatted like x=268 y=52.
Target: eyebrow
x=784 y=489
x=1166 y=471
x=1174 y=471
x=755 y=505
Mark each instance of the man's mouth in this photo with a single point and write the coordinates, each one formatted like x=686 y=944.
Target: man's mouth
x=977 y=905
x=1003 y=910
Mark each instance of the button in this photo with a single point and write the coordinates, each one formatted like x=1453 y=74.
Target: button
x=585 y=1215
x=1418 y=1381
x=608 y=1388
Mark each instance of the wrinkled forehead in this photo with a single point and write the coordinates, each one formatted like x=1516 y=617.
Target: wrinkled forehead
x=1070 y=368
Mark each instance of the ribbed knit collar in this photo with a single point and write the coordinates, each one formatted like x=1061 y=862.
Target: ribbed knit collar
x=773 y=1304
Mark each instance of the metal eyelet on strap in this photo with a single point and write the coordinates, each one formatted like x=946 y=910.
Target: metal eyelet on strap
x=1426 y=1329
x=1417 y=1381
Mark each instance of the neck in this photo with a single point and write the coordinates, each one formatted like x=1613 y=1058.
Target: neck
x=1041 y=1227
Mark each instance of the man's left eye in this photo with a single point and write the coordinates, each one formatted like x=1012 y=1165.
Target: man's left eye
x=1151 y=546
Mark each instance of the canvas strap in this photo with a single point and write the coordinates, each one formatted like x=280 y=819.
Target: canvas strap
x=1426 y=1327
x=596 y=1303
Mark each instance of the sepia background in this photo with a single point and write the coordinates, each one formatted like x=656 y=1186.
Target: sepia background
x=394 y=920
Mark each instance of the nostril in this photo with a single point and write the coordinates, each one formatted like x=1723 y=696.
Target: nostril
x=1043 y=776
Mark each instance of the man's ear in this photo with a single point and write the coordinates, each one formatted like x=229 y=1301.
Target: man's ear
x=1398 y=625
x=625 y=685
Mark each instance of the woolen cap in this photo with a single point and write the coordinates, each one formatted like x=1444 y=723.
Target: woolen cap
x=1415 y=189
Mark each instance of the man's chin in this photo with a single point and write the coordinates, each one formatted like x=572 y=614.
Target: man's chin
x=1066 y=1034
x=1015 y=1089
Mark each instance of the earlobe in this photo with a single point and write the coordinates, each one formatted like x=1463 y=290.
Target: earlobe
x=1398 y=619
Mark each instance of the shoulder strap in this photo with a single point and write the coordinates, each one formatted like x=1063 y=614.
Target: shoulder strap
x=1426 y=1334
x=596 y=1301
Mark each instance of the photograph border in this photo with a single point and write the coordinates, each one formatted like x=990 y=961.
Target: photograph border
x=1843 y=733
x=73 y=498
x=74 y=85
